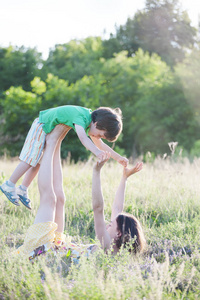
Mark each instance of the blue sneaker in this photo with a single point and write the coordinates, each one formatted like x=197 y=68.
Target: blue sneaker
x=10 y=193
x=23 y=197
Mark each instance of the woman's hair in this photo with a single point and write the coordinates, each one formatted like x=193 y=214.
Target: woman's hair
x=132 y=236
x=110 y=120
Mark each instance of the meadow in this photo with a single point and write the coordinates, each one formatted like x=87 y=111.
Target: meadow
x=164 y=196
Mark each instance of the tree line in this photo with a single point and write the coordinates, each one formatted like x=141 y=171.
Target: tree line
x=150 y=68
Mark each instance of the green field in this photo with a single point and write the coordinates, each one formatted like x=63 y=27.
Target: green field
x=165 y=196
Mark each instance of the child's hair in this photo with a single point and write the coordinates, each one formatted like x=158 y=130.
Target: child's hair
x=132 y=236
x=110 y=120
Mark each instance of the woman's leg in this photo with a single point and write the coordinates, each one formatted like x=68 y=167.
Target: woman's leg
x=47 y=208
x=41 y=234
x=58 y=186
x=46 y=211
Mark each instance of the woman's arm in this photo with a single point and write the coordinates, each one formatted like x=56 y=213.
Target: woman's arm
x=98 y=205
x=118 y=203
x=101 y=145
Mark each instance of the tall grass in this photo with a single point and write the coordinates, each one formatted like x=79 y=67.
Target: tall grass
x=164 y=196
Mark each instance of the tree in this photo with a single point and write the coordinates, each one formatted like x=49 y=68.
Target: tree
x=189 y=74
x=154 y=107
x=163 y=115
x=21 y=107
x=75 y=59
x=162 y=28
x=111 y=46
x=18 y=67
x=19 y=110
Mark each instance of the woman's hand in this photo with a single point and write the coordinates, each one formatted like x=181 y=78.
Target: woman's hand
x=128 y=172
x=101 y=162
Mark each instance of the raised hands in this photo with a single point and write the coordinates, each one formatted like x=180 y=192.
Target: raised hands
x=128 y=172
x=104 y=159
x=100 y=155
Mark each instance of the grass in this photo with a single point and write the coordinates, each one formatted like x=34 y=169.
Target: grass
x=165 y=198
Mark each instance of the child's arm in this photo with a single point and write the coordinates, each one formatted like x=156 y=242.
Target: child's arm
x=118 y=203
x=87 y=143
x=101 y=145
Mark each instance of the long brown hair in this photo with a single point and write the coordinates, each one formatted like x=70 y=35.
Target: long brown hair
x=132 y=236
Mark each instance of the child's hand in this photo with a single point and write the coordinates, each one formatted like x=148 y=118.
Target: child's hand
x=100 y=155
x=123 y=161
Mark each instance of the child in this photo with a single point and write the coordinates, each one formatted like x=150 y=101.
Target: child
x=104 y=123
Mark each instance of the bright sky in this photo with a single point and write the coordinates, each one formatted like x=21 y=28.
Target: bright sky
x=45 y=23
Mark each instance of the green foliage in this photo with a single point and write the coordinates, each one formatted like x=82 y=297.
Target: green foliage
x=111 y=47
x=155 y=109
x=74 y=60
x=38 y=86
x=18 y=67
x=159 y=104
x=162 y=28
x=189 y=73
x=19 y=110
x=163 y=115
x=21 y=107
x=195 y=151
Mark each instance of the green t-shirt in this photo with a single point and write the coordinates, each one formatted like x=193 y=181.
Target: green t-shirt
x=66 y=114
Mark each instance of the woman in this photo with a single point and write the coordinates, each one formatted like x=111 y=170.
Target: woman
x=124 y=229
x=47 y=231
x=49 y=222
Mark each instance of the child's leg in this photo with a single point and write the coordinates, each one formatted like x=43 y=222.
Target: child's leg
x=30 y=155
x=30 y=175
x=9 y=188
x=22 y=189
x=19 y=172
x=31 y=151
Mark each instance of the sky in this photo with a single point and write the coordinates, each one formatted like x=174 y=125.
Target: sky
x=45 y=23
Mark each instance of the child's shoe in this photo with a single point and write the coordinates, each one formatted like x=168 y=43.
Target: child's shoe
x=23 y=197
x=10 y=192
